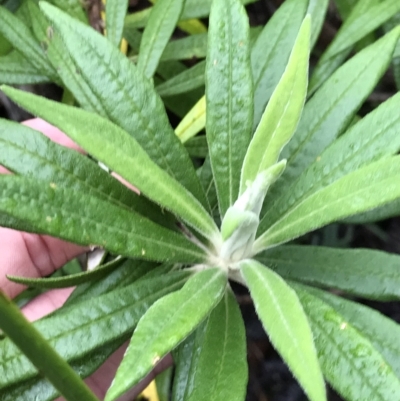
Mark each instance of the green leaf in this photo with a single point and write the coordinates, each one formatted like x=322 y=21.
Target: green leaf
x=381 y=331
x=70 y=76
x=330 y=111
x=163 y=384
x=110 y=317
x=194 y=46
x=271 y=51
x=159 y=28
x=221 y=369
x=70 y=280
x=350 y=363
x=84 y=219
x=392 y=209
x=192 y=78
x=197 y=146
x=39 y=23
x=285 y=322
x=17 y=33
x=41 y=354
x=15 y=69
x=344 y=7
x=115 y=16
x=74 y=8
x=362 y=190
x=127 y=273
x=229 y=95
x=356 y=27
x=370 y=139
x=392 y=23
x=193 y=122
x=128 y=99
x=192 y=9
x=121 y=153
x=186 y=357
x=317 y=9
x=27 y=152
x=186 y=48
x=207 y=180
x=282 y=113
x=363 y=19
x=39 y=389
x=363 y=272
x=165 y=325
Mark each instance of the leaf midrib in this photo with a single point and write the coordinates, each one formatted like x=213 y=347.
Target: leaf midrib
x=129 y=99
x=70 y=174
x=108 y=228
x=352 y=194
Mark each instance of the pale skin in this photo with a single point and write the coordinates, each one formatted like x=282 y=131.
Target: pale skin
x=31 y=255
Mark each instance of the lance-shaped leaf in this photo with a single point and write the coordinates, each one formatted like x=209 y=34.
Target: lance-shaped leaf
x=165 y=325
x=362 y=272
x=329 y=66
x=68 y=281
x=362 y=190
x=185 y=357
x=41 y=354
x=192 y=78
x=344 y=7
x=193 y=122
x=15 y=69
x=378 y=214
x=193 y=46
x=271 y=51
x=84 y=219
x=110 y=317
x=286 y=324
x=372 y=138
x=192 y=9
x=73 y=8
x=128 y=99
x=229 y=96
x=207 y=180
x=221 y=369
x=330 y=111
x=197 y=146
x=282 y=113
x=130 y=271
x=364 y=19
x=115 y=16
x=17 y=33
x=186 y=48
x=120 y=152
x=381 y=331
x=27 y=152
x=317 y=9
x=350 y=363
x=159 y=28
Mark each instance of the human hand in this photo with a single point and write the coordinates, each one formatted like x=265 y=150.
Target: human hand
x=33 y=255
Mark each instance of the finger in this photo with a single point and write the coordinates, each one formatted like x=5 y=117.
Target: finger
x=52 y=133
x=3 y=170
x=45 y=303
x=31 y=255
